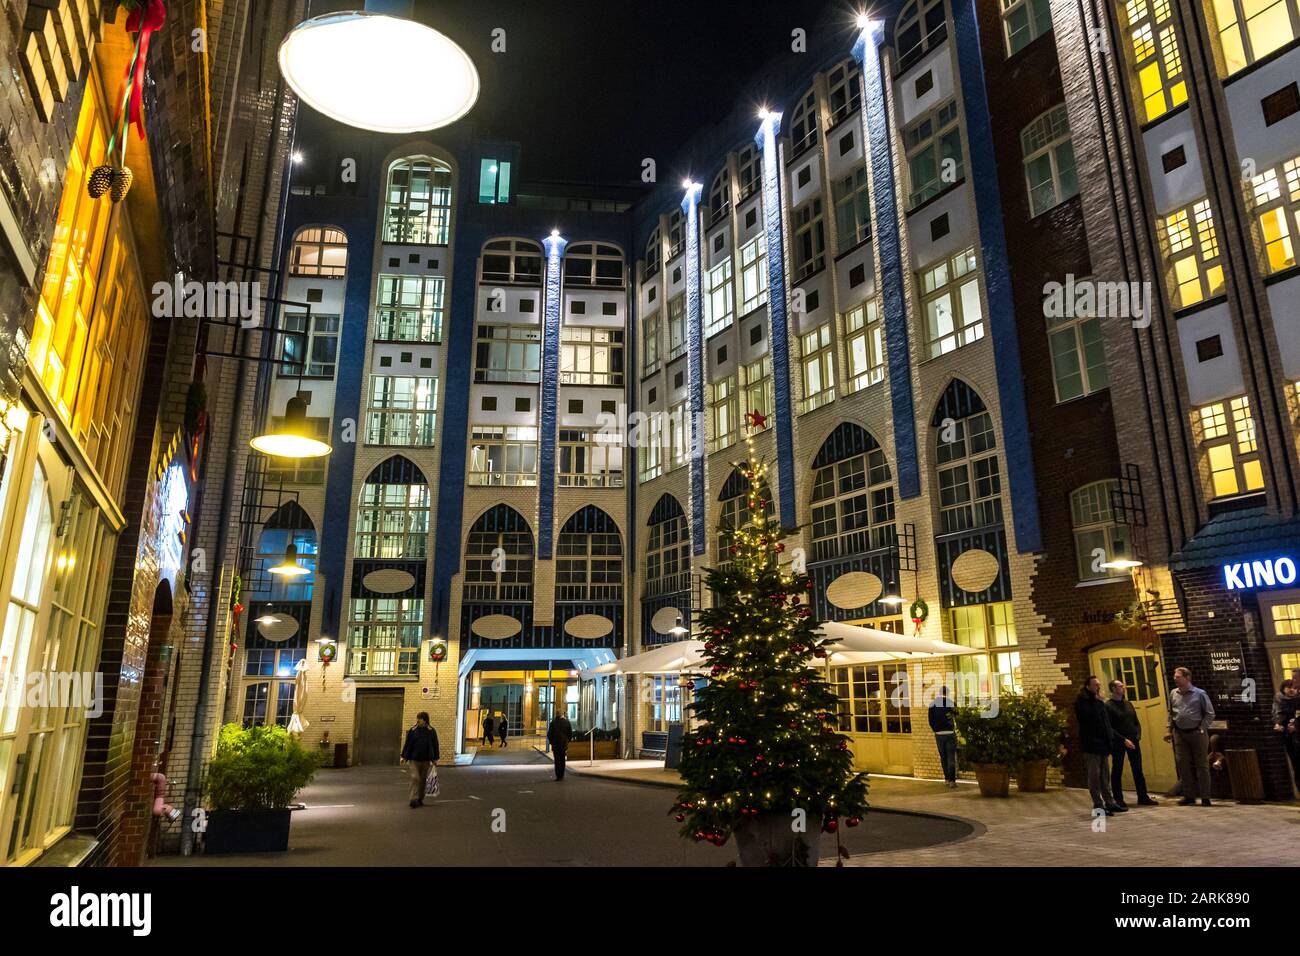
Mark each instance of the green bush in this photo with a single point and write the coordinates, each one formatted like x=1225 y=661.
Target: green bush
x=983 y=739
x=1038 y=726
x=257 y=768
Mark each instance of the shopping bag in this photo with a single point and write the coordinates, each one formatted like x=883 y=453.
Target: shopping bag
x=431 y=788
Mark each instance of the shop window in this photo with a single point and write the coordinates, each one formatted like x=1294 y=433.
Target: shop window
x=1189 y=244
x=1049 y=161
x=1023 y=21
x=1250 y=30
x=1275 y=201
x=1098 y=536
x=417 y=206
x=1154 y=56
x=818 y=366
x=950 y=297
x=874 y=699
x=319 y=251
x=1230 y=457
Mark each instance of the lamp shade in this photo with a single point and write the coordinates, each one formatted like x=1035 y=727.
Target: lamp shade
x=292 y=439
x=379 y=72
x=289 y=567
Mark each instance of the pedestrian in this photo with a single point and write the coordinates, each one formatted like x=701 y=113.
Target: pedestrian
x=945 y=735
x=1285 y=705
x=502 y=726
x=489 y=729
x=1190 y=716
x=1097 y=738
x=420 y=752
x=558 y=734
x=1125 y=721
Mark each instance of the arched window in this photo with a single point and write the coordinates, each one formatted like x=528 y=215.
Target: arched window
x=653 y=252
x=735 y=514
x=803 y=124
x=1098 y=536
x=417 y=207
x=512 y=262
x=668 y=550
x=393 y=516
x=1049 y=160
x=593 y=264
x=589 y=558
x=921 y=27
x=676 y=234
x=288 y=524
x=319 y=251
x=853 y=495
x=720 y=195
x=749 y=175
x=1023 y=21
x=845 y=83
x=499 y=557
x=970 y=485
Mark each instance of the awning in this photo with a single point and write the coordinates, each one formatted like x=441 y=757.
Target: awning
x=666 y=659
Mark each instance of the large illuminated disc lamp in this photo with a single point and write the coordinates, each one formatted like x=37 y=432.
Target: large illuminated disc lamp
x=379 y=69
x=677 y=630
x=893 y=600
x=292 y=439
x=1120 y=562
x=289 y=567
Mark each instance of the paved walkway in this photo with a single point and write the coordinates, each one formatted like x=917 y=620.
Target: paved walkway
x=1053 y=828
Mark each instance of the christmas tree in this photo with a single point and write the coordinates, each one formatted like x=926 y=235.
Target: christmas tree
x=765 y=743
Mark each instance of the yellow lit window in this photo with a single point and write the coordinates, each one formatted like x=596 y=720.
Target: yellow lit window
x=1274 y=195
x=1252 y=29
x=1286 y=620
x=1156 y=59
x=1192 y=256
x=1226 y=432
x=987 y=626
x=818 y=368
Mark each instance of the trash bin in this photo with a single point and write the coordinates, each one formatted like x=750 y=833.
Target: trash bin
x=340 y=755
x=1243 y=773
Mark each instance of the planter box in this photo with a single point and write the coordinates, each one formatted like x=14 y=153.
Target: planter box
x=1031 y=776
x=247 y=831
x=994 y=780
x=581 y=750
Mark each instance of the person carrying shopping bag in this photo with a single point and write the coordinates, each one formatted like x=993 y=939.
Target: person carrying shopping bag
x=420 y=752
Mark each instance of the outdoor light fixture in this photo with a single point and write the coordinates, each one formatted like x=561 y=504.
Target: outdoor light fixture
x=378 y=69
x=267 y=619
x=893 y=600
x=292 y=439
x=677 y=630
x=289 y=567
x=297 y=156
x=1121 y=564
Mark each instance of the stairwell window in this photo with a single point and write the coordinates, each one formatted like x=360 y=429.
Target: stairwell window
x=950 y=297
x=1250 y=30
x=591 y=356
x=402 y=411
x=1024 y=21
x=934 y=158
x=818 y=368
x=508 y=353
x=1229 y=448
x=676 y=326
x=409 y=309
x=1154 y=54
x=724 y=413
x=1190 y=244
x=1275 y=200
x=1098 y=537
x=1049 y=161
x=503 y=456
x=808 y=249
x=852 y=209
x=417 y=209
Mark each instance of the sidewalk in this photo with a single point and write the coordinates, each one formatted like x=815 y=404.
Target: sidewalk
x=1053 y=828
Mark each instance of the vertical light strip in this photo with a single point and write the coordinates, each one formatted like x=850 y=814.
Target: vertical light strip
x=893 y=293
x=554 y=244
x=779 y=331
x=695 y=361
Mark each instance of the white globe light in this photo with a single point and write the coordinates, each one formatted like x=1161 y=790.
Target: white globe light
x=377 y=72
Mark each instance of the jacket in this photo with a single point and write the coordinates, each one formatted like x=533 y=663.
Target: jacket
x=1124 y=719
x=940 y=715
x=1096 y=735
x=559 y=732
x=1284 y=709
x=421 y=744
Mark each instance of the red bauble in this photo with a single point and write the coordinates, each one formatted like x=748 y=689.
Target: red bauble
x=700 y=835
x=831 y=825
x=680 y=817
x=853 y=821
x=780 y=546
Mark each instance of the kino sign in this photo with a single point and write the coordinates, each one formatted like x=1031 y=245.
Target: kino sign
x=1259 y=574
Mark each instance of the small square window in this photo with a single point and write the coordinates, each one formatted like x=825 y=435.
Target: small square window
x=315 y=295
x=678 y=379
x=718 y=242
x=609 y=407
x=804 y=176
x=1280 y=104
x=751 y=217
x=407 y=357
x=431 y=264
x=575 y=406
x=722 y=354
x=523 y=404
x=812 y=300
x=846 y=143
x=1173 y=159
x=939 y=227
x=651 y=396
x=653 y=294
x=426 y=363
x=857 y=275
x=677 y=275
x=528 y=305
x=489 y=403
x=609 y=308
x=413 y=258
x=756 y=333
x=385 y=361
x=1209 y=348
x=578 y=307
x=925 y=83
x=394 y=262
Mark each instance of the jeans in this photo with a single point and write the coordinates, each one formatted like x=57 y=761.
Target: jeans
x=1192 y=754
x=1098 y=769
x=1117 y=772
x=560 y=753
x=947 y=744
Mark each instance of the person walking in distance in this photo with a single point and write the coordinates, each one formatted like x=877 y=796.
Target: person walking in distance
x=558 y=735
x=489 y=730
x=1190 y=716
x=419 y=753
x=940 y=713
x=1286 y=704
x=1097 y=739
x=502 y=726
x=1125 y=721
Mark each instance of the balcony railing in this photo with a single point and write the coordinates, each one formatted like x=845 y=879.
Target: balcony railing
x=503 y=479
x=855 y=543
x=609 y=479
x=400 y=428
x=589 y=593
x=667 y=584
x=492 y=592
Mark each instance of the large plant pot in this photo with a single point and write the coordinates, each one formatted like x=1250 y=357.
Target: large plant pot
x=994 y=779
x=1031 y=776
x=769 y=840
x=247 y=831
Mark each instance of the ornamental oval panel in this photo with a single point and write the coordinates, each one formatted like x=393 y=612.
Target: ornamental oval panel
x=665 y=619
x=389 y=581
x=588 y=627
x=282 y=628
x=854 y=589
x=496 y=627
x=975 y=570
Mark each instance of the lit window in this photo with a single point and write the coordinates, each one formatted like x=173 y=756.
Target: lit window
x=319 y=251
x=803 y=124
x=808 y=249
x=1153 y=50
x=720 y=196
x=508 y=353
x=852 y=504
x=757 y=388
x=591 y=356
x=852 y=208
x=593 y=264
x=864 y=345
x=503 y=455
x=720 y=299
x=589 y=558
x=494 y=182
x=950 y=296
x=402 y=411
x=650 y=343
x=512 y=262
x=970 y=484
x=311 y=354
x=818 y=368
x=724 y=413
x=867 y=702
x=384 y=637
x=749 y=162
x=393 y=521
x=1190 y=246
x=1049 y=161
x=1250 y=30
x=753 y=274
x=676 y=326
x=1229 y=448
x=668 y=551
x=844 y=88
x=590 y=459
x=1275 y=199
x=417 y=209
x=921 y=27
x=1098 y=537
x=653 y=252
x=499 y=531
x=1286 y=620
x=300 y=471
x=1024 y=21
x=990 y=628
x=650 y=437
x=934 y=158
x=1078 y=356
x=409 y=309
x=679 y=435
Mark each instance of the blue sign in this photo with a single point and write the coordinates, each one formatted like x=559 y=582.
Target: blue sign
x=1269 y=573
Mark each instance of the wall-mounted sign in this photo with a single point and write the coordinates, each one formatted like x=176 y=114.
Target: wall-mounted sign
x=1269 y=573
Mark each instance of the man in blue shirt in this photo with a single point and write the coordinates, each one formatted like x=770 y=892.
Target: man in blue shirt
x=1190 y=716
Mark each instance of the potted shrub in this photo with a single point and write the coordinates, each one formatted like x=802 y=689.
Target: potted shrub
x=1039 y=726
x=986 y=744
x=250 y=782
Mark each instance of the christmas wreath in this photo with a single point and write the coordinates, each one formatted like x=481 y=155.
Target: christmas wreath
x=919 y=611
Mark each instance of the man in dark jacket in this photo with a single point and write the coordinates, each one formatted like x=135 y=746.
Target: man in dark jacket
x=940 y=713
x=558 y=734
x=489 y=730
x=1097 y=738
x=1286 y=706
x=420 y=752
x=1124 y=720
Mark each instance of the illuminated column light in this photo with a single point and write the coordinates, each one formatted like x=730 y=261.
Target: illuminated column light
x=695 y=358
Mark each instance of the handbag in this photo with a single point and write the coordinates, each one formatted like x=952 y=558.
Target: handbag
x=431 y=787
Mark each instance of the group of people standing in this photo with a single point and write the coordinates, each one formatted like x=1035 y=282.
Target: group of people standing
x=495 y=725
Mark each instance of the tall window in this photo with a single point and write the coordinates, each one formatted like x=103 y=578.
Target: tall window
x=503 y=455
x=1049 y=161
x=393 y=513
x=319 y=251
x=818 y=367
x=511 y=262
x=753 y=274
x=749 y=163
x=1156 y=59
x=950 y=296
x=676 y=326
x=653 y=252
x=757 y=387
x=1229 y=447
x=493 y=181
x=679 y=435
x=312 y=353
x=720 y=195
x=1078 y=356
x=650 y=438
x=384 y=638
x=852 y=208
x=589 y=558
x=990 y=629
x=1024 y=21
x=499 y=532
x=417 y=209
x=970 y=485
x=934 y=158
x=735 y=514
x=853 y=496
x=1098 y=537
x=668 y=550
x=845 y=92
x=508 y=353
x=593 y=264
x=1250 y=30
x=921 y=27
x=676 y=234
x=409 y=309
x=803 y=124
x=403 y=410
x=724 y=413
x=1190 y=244
x=650 y=333
x=591 y=356
x=1275 y=199
x=809 y=245
x=590 y=459
x=720 y=303
x=864 y=345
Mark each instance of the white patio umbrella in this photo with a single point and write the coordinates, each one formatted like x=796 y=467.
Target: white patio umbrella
x=666 y=659
x=297 y=723
x=855 y=644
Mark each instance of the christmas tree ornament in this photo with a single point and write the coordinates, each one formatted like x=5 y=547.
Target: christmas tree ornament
x=121 y=182
x=101 y=177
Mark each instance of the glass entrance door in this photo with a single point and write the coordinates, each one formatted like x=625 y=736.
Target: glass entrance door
x=874 y=711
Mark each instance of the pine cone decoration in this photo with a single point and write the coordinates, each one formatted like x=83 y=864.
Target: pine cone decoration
x=101 y=177
x=121 y=183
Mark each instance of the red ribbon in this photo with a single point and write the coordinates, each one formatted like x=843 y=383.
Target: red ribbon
x=144 y=19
